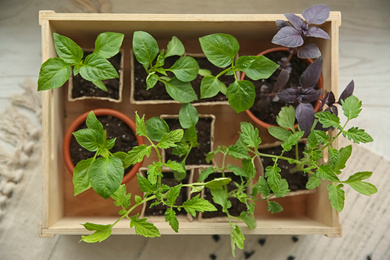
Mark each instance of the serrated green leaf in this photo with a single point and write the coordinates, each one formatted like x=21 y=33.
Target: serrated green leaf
x=272 y=174
x=175 y=166
x=248 y=219
x=236 y=238
x=336 y=196
x=357 y=135
x=292 y=140
x=180 y=91
x=121 y=197
x=156 y=128
x=170 y=139
x=53 y=74
x=144 y=228
x=175 y=47
x=145 y=47
x=286 y=117
x=154 y=171
x=282 y=189
x=313 y=183
x=241 y=95
x=238 y=152
x=185 y=69
x=197 y=204
x=172 y=195
x=317 y=137
x=205 y=173
x=339 y=158
x=279 y=132
x=145 y=184
x=137 y=154
x=188 y=116
x=140 y=125
x=351 y=107
x=238 y=171
x=250 y=135
x=256 y=67
x=220 y=49
x=96 y=67
x=210 y=86
x=82 y=176
x=262 y=187
x=108 y=44
x=363 y=187
x=170 y=217
x=107 y=175
x=274 y=207
x=328 y=119
x=325 y=172
x=102 y=232
x=67 y=49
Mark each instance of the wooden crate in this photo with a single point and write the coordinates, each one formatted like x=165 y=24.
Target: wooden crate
x=63 y=213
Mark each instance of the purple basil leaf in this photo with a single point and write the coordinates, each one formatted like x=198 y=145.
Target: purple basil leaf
x=309 y=51
x=297 y=22
x=333 y=110
x=289 y=95
x=309 y=94
x=281 y=81
x=348 y=91
x=288 y=37
x=280 y=24
x=304 y=113
x=310 y=76
x=316 y=14
x=316 y=32
x=330 y=98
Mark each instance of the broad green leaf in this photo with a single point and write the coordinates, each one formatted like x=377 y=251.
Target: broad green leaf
x=204 y=72
x=286 y=117
x=359 y=176
x=220 y=197
x=145 y=184
x=144 y=228
x=160 y=62
x=328 y=119
x=109 y=144
x=88 y=138
x=197 y=204
x=107 y=175
x=357 y=135
x=140 y=125
x=185 y=69
x=97 y=68
x=82 y=175
x=238 y=152
x=102 y=232
x=121 y=197
x=236 y=238
x=137 y=154
x=154 y=171
x=67 y=49
x=188 y=116
x=156 y=128
x=93 y=123
x=170 y=217
x=220 y=49
x=151 y=80
x=175 y=47
x=170 y=139
x=351 y=107
x=108 y=44
x=210 y=86
x=100 y=84
x=250 y=135
x=363 y=187
x=180 y=91
x=53 y=74
x=313 y=182
x=248 y=219
x=274 y=207
x=172 y=195
x=145 y=47
x=279 y=132
x=292 y=140
x=217 y=183
x=241 y=95
x=336 y=196
x=256 y=67
x=325 y=172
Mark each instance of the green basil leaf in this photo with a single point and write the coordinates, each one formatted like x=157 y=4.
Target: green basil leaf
x=188 y=116
x=82 y=176
x=185 y=69
x=93 y=123
x=256 y=67
x=108 y=44
x=145 y=47
x=156 y=128
x=180 y=91
x=210 y=86
x=220 y=49
x=67 y=49
x=100 y=84
x=97 y=68
x=174 y=47
x=53 y=74
x=107 y=175
x=241 y=95
x=88 y=138
x=151 y=80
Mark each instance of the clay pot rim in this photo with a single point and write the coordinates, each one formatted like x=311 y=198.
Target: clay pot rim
x=98 y=112
x=320 y=86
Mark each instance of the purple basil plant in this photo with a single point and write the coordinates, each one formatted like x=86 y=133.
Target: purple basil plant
x=330 y=101
x=291 y=34
x=305 y=93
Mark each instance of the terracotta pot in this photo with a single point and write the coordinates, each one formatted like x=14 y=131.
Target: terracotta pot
x=81 y=119
x=308 y=61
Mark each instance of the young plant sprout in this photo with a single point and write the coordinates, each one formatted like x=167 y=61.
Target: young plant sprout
x=95 y=67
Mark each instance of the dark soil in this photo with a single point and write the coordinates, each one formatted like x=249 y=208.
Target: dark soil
x=169 y=179
x=297 y=180
x=82 y=87
x=266 y=108
x=116 y=128
x=237 y=206
x=158 y=92
x=197 y=155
